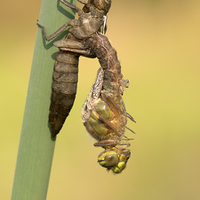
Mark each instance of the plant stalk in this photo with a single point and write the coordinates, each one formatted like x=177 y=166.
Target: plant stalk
x=36 y=146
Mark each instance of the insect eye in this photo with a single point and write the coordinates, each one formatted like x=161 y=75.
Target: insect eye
x=118 y=169
x=108 y=159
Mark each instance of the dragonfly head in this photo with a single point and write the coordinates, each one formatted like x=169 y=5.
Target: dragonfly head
x=113 y=160
x=102 y=5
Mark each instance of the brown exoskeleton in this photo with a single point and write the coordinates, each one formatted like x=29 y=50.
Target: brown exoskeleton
x=91 y=20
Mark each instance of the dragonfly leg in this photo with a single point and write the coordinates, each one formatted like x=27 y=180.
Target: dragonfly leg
x=52 y=36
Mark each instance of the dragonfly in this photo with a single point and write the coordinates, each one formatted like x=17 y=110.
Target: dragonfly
x=103 y=113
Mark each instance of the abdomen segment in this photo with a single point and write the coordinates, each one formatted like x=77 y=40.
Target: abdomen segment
x=64 y=87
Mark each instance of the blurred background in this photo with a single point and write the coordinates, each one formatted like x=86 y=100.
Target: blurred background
x=158 y=45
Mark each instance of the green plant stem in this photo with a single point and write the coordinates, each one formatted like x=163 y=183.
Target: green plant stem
x=36 y=147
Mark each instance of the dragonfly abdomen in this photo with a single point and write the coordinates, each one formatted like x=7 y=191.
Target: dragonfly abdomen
x=64 y=87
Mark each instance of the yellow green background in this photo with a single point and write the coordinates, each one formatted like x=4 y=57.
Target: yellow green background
x=158 y=45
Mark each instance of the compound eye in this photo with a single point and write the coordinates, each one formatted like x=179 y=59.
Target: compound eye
x=108 y=159
x=119 y=168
